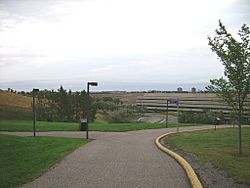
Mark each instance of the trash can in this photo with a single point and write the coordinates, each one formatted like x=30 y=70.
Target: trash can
x=83 y=125
x=217 y=121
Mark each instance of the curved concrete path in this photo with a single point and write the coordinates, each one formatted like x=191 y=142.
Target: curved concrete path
x=125 y=159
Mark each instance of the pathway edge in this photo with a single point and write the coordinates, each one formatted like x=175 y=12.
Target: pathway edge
x=194 y=180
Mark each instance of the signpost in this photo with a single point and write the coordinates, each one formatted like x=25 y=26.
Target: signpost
x=173 y=101
x=167 y=115
x=34 y=112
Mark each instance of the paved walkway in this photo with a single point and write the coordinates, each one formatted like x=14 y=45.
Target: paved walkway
x=121 y=160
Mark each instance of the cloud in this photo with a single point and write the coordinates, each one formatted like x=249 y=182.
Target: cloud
x=127 y=41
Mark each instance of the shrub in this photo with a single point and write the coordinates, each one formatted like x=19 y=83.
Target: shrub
x=205 y=117
x=119 y=116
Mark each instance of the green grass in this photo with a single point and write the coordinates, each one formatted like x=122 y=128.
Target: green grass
x=220 y=147
x=22 y=159
x=14 y=113
x=26 y=125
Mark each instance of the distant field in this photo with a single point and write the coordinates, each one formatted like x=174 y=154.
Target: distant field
x=26 y=125
x=126 y=97
x=22 y=159
x=220 y=147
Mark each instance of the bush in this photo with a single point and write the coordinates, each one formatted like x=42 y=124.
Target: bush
x=205 y=117
x=65 y=106
x=119 y=116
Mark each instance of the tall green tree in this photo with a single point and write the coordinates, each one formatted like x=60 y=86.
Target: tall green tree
x=61 y=105
x=235 y=56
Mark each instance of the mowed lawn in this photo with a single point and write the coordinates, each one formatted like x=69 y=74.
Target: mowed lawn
x=220 y=147
x=22 y=159
x=26 y=125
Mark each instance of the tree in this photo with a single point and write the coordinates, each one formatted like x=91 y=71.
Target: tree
x=235 y=56
x=61 y=105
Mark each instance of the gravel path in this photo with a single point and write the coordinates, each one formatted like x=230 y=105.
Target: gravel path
x=125 y=159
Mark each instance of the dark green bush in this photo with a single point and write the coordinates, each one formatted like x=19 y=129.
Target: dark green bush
x=205 y=117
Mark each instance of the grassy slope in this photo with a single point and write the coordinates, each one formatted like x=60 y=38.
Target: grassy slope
x=220 y=148
x=14 y=106
x=15 y=100
x=26 y=125
x=8 y=112
x=23 y=159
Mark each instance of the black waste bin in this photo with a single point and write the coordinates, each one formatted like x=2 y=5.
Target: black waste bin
x=217 y=122
x=83 y=125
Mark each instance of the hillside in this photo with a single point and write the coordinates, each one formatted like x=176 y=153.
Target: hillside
x=14 y=100
x=14 y=106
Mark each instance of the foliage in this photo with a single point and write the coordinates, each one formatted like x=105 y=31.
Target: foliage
x=119 y=116
x=66 y=106
x=108 y=104
x=22 y=159
x=205 y=117
x=219 y=147
x=235 y=56
x=117 y=111
x=125 y=114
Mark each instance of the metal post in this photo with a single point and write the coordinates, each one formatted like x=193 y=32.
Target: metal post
x=87 y=127
x=88 y=106
x=178 y=113
x=34 y=115
x=167 y=115
x=34 y=112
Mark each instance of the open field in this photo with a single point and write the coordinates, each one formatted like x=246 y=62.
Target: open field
x=219 y=147
x=22 y=159
x=26 y=125
x=126 y=97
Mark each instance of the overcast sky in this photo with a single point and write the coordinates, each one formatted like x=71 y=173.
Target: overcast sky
x=122 y=44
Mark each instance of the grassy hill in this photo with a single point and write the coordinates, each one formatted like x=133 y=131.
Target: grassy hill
x=14 y=106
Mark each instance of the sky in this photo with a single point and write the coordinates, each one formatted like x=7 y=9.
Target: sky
x=133 y=45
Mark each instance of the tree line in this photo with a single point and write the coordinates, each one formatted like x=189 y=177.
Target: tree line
x=63 y=105
x=68 y=106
